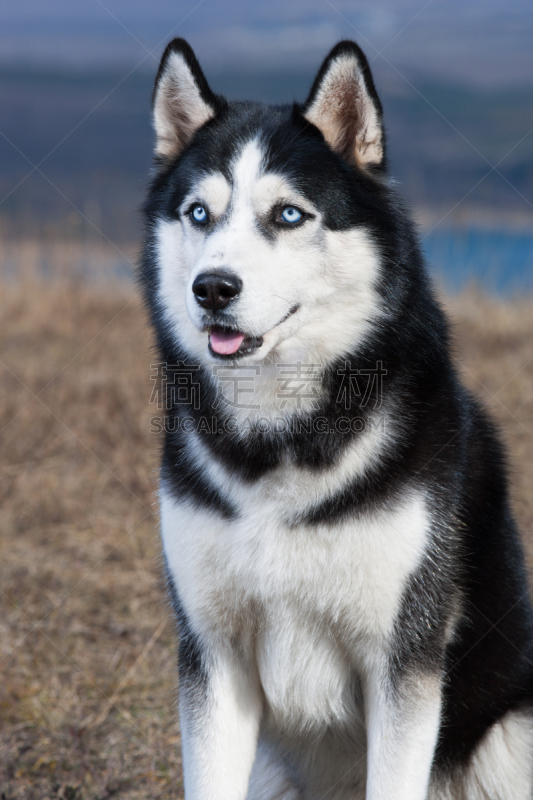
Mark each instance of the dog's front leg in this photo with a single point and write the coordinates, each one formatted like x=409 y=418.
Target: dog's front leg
x=402 y=728
x=220 y=711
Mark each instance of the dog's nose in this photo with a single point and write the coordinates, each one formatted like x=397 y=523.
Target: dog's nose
x=214 y=290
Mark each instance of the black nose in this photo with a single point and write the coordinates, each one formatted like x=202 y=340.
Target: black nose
x=214 y=290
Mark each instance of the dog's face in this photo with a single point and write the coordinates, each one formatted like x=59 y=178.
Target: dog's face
x=263 y=218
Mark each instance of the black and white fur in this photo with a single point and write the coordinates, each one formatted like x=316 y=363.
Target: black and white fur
x=352 y=604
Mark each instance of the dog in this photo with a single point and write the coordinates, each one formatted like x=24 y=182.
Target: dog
x=346 y=574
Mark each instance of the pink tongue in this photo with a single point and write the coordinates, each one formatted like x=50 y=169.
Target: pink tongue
x=225 y=342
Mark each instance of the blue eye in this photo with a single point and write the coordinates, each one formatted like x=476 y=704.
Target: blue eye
x=291 y=215
x=199 y=214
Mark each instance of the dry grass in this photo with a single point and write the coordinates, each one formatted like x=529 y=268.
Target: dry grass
x=87 y=644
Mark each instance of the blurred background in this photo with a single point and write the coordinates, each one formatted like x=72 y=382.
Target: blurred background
x=456 y=83
x=87 y=642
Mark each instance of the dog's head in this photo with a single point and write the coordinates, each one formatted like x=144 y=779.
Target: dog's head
x=265 y=222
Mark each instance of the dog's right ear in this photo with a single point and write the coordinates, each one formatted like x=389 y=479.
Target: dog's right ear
x=182 y=101
x=345 y=107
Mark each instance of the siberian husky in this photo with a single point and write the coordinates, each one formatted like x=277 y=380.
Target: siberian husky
x=346 y=574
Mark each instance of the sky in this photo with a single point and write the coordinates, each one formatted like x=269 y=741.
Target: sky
x=482 y=43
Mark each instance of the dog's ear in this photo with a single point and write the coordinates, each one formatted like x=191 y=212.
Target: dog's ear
x=182 y=101
x=344 y=106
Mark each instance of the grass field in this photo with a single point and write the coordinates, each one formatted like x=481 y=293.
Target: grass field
x=88 y=650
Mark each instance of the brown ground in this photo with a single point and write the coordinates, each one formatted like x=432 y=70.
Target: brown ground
x=87 y=649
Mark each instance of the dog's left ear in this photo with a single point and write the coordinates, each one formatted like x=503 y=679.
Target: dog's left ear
x=182 y=101
x=344 y=105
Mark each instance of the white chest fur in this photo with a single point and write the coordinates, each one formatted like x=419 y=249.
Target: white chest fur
x=304 y=600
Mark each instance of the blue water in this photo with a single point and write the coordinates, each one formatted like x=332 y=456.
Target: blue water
x=499 y=261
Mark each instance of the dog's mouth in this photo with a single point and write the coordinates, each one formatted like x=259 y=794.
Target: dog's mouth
x=225 y=342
